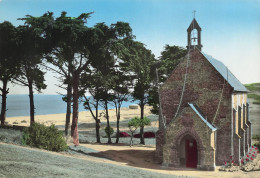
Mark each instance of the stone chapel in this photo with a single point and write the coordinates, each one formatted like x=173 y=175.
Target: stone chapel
x=204 y=112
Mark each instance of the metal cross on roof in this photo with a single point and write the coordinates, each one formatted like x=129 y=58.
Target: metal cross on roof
x=194 y=13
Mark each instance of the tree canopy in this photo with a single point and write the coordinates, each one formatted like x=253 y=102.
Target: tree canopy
x=103 y=60
x=169 y=59
x=9 y=67
x=138 y=62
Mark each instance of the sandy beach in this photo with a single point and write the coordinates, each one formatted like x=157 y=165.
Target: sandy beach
x=86 y=124
x=84 y=117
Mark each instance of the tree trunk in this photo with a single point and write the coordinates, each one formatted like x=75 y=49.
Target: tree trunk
x=97 y=130
x=97 y=124
x=142 y=128
x=3 y=109
x=117 y=125
x=108 y=125
x=131 y=141
x=74 y=126
x=68 y=112
x=31 y=101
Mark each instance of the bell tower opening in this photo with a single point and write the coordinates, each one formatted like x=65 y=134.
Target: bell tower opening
x=194 y=35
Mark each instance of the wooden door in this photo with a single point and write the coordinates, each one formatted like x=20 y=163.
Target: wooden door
x=191 y=153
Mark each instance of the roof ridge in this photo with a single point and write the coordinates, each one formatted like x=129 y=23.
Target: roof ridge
x=225 y=73
x=201 y=116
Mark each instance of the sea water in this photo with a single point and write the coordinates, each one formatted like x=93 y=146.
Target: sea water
x=19 y=105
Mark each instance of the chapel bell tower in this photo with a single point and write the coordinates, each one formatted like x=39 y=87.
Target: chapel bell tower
x=194 y=35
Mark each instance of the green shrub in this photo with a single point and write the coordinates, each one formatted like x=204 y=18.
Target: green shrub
x=255 y=97
x=145 y=121
x=257 y=145
x=253 y=86
x=135 y=123
x=44 y=137
x=256 y=102
x=25 y=137
x=257 y=138
x=109 y=131
x=138 y=122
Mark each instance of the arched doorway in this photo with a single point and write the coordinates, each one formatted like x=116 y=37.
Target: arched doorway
x=188 y=152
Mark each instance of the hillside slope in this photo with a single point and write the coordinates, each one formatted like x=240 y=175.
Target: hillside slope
x=254 y=106
x=17 y=161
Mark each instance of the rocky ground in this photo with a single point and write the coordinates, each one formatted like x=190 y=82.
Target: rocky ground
x=250 y=166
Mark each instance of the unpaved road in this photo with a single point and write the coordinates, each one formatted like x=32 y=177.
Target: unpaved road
x=17 y=161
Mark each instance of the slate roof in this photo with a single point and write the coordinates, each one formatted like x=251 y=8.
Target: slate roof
x=194 y=108
x=226 y=73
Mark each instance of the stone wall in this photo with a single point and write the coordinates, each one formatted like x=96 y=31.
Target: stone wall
x=204 y=87
x=189 y=123
x=236 y=156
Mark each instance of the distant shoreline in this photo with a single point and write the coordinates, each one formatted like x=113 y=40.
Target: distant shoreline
x=19 y=106
x=84 y=117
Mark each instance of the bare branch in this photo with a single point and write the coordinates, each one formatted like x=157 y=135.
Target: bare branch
x=19 y=81
x=87 y=101
x=80 y=63
x=50 y=68
x=61 y=94
x=65 y=88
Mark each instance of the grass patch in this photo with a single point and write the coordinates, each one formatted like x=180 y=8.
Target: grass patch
x=253 y=86
x=257 y=138
x=10 y=136
x=255 y=97
x=256 y=102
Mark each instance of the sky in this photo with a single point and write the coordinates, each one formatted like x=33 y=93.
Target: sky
x=230 y=28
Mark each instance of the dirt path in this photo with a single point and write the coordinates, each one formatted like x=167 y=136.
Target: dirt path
x=142 y=157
